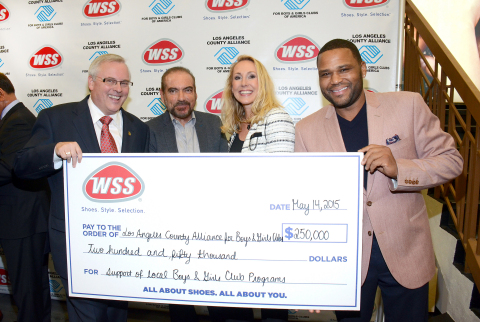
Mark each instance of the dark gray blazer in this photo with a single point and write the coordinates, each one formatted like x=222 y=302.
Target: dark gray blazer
x=207 y=126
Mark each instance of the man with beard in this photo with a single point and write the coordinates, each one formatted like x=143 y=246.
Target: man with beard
x=181 y=129
x=405 y=151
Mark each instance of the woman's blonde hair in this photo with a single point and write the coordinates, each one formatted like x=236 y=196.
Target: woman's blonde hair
x=233 y=112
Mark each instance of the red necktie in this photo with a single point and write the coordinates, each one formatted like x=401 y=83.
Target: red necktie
x=107 y=143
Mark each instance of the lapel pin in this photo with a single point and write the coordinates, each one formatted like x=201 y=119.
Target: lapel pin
x=393 y=139
x=129 y=133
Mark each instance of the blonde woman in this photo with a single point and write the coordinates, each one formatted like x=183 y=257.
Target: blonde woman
x=252 y=114
x=257 y=123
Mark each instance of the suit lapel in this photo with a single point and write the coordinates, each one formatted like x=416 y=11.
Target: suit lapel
x=332 y=128
x=375 y=128
x=201 y=135
x=9 y=113
x=128 y=134
x=169 y=134
x=82 y=120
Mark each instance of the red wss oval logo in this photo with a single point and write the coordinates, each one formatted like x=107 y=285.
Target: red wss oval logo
x=101 y=8
x=4 y=280
x=46 y=57
x=226 y=5
x=113 y=182
x=214 y=103
x=364 y=3
x=4 y=13
x=163 y=51
x=297 y=49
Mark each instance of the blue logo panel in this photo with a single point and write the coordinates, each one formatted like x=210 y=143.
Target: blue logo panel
x=42 y=104
x=98 y=53
x=157 y=107
x=226 y=55
x=1 y=62
x=161 y=7
x=370 y=54
x=295 y=4
x=45 y=13
x=295 y=106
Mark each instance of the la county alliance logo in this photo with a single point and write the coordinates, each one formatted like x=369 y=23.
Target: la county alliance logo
x=370 y=54
x=45 y=58
x=101 y=8
x=42 y=104
x=113 y=182
x=213 y=104
x=297 y=49
x=4 y=12
x=295 y=4
x=162 y=51
x=225 y=5
x=364 y=4
x=157 y=107
x=45 y=13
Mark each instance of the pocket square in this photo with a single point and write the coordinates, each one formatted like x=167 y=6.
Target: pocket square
x=393 y=139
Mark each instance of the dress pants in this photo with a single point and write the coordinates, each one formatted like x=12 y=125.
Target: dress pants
x=400 y=303
x=83 y=309
x=27 y=264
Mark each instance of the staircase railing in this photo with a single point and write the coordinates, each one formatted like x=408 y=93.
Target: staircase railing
x=442 y=81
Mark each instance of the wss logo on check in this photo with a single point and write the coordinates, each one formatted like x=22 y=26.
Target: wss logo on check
x=161 y=7
x=157 y=107
x=226 y=55
x=295 y=4
x=370 y=54
x=42 y=104
x=295 y=106
x=45 y=13
x=98 y=53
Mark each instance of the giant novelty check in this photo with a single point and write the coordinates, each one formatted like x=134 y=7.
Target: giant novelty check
x=259 y=230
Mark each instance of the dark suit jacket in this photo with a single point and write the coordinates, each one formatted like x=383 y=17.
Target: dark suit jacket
x=23 y=203
x=207 y=126
x=66 y=123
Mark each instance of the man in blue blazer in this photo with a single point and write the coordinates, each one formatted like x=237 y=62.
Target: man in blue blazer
x=181 y=129
x=24 y=208
x=66 y=131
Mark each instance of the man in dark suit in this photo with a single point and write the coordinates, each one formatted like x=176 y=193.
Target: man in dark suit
x=23 y=213
x=181 y=129
x=96 y=124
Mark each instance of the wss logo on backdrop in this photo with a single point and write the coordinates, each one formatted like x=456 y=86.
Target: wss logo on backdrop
x=296 y=50
x=214 y=103
x=161 y=7
x=225 y=5
x=362 y=4
x=45 y=13
x=46 y=57
x=226 y=55
x=370 y=54
x=4 y=279
x=42 y=104
x=295 y=4
x=157 y=107
x=4 y=13
x=113 y=182
x=295 y=106
x=98 y=53
x=101 y=8
x=163 y=51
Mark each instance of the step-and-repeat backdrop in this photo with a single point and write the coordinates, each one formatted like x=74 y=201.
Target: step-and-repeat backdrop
x=46 y=47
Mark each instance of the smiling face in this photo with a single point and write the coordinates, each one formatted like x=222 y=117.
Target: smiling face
x=245 y=83
x=341 y=79
x=109 y=99
x=179 y=96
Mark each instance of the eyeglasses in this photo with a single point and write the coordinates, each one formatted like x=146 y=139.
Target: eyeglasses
x=112 y=82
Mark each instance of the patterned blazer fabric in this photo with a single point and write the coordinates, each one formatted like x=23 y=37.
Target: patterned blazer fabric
x=275 y=134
